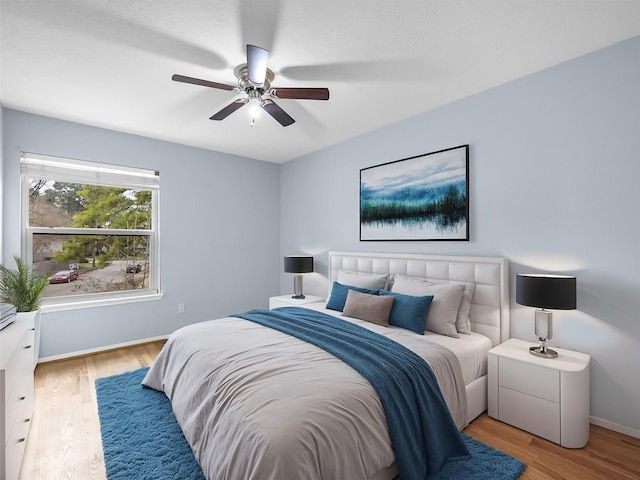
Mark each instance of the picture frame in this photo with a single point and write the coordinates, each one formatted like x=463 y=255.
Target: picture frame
x=420 y=198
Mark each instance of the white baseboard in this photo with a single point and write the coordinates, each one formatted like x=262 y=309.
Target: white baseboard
x=615 y=427
x=81 y=353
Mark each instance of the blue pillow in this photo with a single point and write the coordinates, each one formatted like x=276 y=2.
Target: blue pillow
x=409 y=311
x=339 y=294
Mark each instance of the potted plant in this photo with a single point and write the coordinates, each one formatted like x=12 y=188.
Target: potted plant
x=23 y=288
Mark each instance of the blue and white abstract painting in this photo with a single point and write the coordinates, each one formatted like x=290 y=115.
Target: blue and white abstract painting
x=418 y=198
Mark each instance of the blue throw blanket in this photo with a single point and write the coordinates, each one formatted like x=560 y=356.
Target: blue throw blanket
x=423 y=434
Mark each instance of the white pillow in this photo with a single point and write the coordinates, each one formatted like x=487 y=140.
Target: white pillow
x=363 y=279
x=444 y=307
x=463 y=324
x=409 y=285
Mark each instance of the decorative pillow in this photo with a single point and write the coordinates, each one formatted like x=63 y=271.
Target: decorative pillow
x=443 y=312
x=363 y=279
x=409 y=285
x=409 y=311
x=372 y=308
x=339 y=293
x=463 y=324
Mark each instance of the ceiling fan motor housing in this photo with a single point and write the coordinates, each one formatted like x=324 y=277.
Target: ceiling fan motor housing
x=245 y=84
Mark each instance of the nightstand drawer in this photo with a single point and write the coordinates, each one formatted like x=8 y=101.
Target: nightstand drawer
x=515 y=408
x=531 y=379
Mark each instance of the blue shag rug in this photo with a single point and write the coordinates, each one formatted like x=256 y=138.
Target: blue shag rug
x=141 y=439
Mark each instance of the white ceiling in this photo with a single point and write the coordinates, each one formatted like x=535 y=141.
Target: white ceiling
x=109 y=63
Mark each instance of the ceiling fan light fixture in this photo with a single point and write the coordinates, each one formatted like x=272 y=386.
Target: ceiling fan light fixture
x=254 y=111
x=255 y=103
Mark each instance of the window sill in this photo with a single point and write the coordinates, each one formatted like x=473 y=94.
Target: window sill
x=48 y=306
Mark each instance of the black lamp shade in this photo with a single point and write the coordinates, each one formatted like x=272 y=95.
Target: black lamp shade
x=298 y=264
x=556 y=292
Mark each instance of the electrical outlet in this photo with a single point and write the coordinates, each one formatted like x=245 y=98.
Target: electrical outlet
x=181 y=308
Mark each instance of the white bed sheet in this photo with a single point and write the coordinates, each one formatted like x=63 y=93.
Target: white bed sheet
x=471 y=350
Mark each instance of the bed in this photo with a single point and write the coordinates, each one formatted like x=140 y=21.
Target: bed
x=489 y=312
x=259 y=403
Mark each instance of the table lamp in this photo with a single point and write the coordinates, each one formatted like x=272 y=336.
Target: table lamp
x=556 y=292
x=298 y=264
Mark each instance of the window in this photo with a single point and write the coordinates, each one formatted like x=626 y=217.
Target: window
x=91 y=228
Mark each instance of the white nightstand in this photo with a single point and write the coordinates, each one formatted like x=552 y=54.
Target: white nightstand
x=287 y=301
x=548 y=397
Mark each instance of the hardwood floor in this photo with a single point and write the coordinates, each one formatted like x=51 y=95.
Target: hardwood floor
x=607 y=455
x=64 y=440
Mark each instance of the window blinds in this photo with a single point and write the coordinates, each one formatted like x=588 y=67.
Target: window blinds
x=93 y=173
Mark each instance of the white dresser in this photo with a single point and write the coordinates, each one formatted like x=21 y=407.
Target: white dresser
x=548 y=397
x=16 y=391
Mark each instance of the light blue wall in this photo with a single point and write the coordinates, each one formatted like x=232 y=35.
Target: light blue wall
x=554 y=172
x=219 y=221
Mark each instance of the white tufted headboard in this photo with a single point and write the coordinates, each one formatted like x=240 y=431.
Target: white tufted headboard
x=489 y=313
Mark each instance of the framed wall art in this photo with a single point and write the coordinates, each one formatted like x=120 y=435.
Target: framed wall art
x=425 y=197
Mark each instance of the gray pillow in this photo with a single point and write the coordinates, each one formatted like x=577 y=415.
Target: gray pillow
x=372 y=308
x=363 y=279
x=444 y=307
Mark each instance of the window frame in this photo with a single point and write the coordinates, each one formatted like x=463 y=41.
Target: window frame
x=48 y=167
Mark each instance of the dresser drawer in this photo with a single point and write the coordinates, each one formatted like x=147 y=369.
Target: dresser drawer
x=15 y=447
x=20 y=364
x=515 y=409
x=530 y=379
x=13 y=334
x=18 y=406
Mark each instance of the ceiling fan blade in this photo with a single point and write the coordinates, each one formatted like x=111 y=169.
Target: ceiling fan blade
x=229 y=109
x=204 y=83
x=276 y=112
x=300 y=93
x=257 y=59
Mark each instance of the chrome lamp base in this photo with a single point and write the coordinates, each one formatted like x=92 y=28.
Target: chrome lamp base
x=544 y=331
x=543 y=351
x=297 y=288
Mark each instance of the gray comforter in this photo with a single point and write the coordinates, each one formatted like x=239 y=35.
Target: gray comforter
x=255 y=403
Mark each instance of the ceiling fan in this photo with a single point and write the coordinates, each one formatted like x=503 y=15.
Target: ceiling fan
x=254 y=79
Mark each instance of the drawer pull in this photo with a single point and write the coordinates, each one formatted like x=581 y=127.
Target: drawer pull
x=28 y=347
x=27 y=420
x=20 y=440
x=22 y=398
